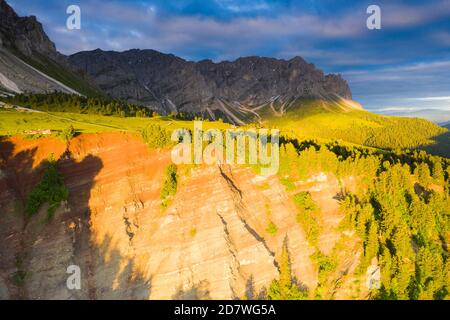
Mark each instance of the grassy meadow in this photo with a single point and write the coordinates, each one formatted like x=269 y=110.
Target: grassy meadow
x=13 y=122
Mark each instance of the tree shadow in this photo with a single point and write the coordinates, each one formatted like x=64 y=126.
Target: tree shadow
x=116 y=277
x=18 y=169
x=18 y=176
x=105 y=272
x=108 y=274
x=251 y=293
x=198 y=291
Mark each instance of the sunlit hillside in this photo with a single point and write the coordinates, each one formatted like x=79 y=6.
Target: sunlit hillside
x=341 y=120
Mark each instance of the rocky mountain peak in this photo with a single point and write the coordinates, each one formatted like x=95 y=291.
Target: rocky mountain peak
x=23 y=34
x=168 y=83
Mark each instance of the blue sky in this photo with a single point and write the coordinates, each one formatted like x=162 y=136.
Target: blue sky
x=402 y=69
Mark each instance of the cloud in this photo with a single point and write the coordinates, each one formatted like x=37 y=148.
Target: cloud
x=405 y=108
x=410 y=15
x=410 y=87
x=438 y=115
x=442 y=38
x=191 y=36
x=445 y=98
x=244 y=6
x=415 y=71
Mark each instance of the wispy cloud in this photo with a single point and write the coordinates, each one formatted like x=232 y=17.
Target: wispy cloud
x=413 y=15
x=447 y=98
x=406 y=108
x=244 y=6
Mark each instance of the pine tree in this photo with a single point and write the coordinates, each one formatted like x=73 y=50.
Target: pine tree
x=285 y=271
x=438 y=171
x=422 y=171
x=371 y=249
x=284 y=288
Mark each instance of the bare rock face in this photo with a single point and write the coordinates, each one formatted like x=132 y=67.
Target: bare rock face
x=29 y=61
x=170 y=84
x=24 y=34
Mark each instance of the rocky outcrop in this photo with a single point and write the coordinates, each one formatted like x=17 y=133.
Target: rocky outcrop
x=24 y=34
x=170 y=84
x=18 y=76
x=29 y=61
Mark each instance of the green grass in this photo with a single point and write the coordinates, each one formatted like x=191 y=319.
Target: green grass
x=169 y=188
x=308 y=119
x=14 y=122
x=193 y=232
x=20 y=276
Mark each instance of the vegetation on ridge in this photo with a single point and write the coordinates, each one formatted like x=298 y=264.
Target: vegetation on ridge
x=169 y=188
x=62 y=102
x=50 y=190
x=333 y=120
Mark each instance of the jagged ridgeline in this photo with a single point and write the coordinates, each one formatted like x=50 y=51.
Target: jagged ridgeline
x=30 y=62
x=231 y=90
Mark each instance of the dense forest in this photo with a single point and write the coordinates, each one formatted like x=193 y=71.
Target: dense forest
x=400 y=210
x=331 y=120
x=62 y=102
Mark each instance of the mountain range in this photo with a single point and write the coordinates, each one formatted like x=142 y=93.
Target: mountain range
x=233 y=91
x=168 y=83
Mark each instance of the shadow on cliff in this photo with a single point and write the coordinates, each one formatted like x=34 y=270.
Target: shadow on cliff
x=105 y=273
x=251 y=293
x=18 y=169
x=199 y=291
x=108 y=273
x=115 y=277
x=12 y=197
